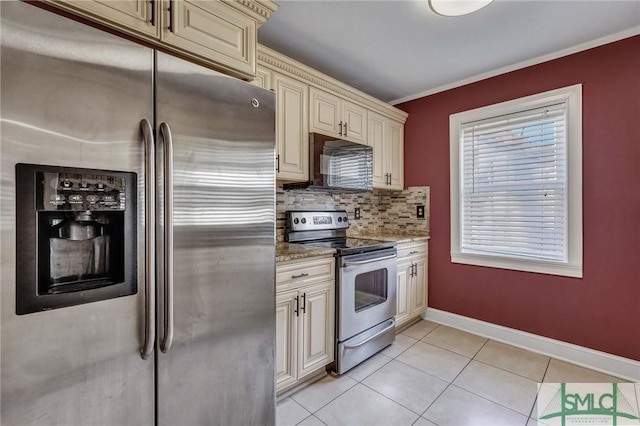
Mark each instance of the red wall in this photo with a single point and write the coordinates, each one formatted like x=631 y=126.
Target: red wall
x=601 y=310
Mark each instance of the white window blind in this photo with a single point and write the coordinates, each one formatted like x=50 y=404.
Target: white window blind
x=514 y=184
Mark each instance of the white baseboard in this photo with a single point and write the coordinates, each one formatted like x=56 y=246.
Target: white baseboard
x=613 y=365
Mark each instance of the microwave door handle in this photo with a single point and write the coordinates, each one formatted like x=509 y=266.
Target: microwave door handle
x=150 y=243
x=167 y=340
x=364 y=262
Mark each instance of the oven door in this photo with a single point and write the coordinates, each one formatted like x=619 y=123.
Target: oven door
x=366 y=291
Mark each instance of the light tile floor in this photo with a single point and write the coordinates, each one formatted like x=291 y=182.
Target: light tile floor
x=434 y=375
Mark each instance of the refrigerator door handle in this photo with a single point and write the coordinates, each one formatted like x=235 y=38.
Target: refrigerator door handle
x=150 y=243
x=165 y=133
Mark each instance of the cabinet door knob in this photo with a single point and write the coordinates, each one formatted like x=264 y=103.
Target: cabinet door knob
x=345 y=128
x=304 y=303
x=340 y=128
x=296 y=310
x=304 y=274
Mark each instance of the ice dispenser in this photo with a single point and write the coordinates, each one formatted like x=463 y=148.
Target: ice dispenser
x=76 y=236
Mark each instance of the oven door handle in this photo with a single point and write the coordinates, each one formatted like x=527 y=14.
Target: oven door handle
x=368 y=339
x=364 y=262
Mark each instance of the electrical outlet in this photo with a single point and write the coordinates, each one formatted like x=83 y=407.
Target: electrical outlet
x=356 y=213
x=420 y=212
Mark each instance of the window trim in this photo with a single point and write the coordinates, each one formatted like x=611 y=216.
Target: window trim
x=573 y=267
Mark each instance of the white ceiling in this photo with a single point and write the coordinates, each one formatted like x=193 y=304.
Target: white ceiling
x=401 y=50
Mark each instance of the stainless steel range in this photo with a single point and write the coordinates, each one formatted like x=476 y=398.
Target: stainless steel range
x=365 y=284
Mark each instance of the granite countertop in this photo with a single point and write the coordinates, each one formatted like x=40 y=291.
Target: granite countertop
x=289 y=251
x=396 y=237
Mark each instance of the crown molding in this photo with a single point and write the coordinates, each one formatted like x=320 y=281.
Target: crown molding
x=260 y=10
x=276 y=61
x=631 y=32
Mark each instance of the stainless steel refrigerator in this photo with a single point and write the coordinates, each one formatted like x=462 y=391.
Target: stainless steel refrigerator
x=187 y=157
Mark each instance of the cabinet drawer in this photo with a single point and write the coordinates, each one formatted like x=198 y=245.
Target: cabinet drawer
x=412 y=249
x=300 y=272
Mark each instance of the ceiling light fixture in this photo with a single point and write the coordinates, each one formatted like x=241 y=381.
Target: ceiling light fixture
x=457 y=7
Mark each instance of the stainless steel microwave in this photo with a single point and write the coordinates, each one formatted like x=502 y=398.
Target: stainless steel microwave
x=337 y=164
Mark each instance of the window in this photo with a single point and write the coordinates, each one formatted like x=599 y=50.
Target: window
x=516 y=184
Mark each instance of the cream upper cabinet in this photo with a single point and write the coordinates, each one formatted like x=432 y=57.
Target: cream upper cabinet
x=137 y=16
x=292 y=146
x=334 y=116
x=220 y=34
x=395 y=154
x=378 y=140
x=412 y=281
x=337 y=110
x=292 y=132
x=354 y=122
x=263 y=78
x=387 y=139
x=325 y=113
x=213 y=30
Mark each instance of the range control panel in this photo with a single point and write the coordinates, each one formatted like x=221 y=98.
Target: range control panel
x=76 y=191
x=298 y=220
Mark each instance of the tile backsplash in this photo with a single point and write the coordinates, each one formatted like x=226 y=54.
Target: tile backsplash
x=380 y=211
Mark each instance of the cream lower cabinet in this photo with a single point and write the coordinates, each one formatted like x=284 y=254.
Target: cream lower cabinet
x=412 y=281
x=402 y=293
x=305 y=307
x=387 y=139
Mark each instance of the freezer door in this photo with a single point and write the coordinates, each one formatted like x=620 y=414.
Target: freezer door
x=217 y=367
x=71 y=96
